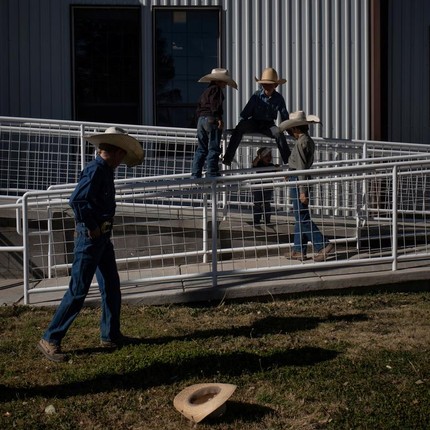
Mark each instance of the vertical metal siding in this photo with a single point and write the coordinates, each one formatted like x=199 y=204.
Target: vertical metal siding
x=13 y=57
x=408 y=66
x=38 y=60
x=320 y=47
x=4 y=57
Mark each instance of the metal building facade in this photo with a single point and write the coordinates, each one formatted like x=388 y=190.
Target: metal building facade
x=408 y=71
x=320 y=46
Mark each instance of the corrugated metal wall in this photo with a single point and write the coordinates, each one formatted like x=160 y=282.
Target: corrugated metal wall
x=320 y=46
x=35 y=59
x=408 y=64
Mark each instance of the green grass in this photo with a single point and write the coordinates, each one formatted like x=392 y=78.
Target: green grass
x=339 y=362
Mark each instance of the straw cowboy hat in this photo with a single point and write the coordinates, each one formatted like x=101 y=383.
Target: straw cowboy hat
x=219 y=75
x=297 y=119
x=270 y=76
x=118 y=137
x=199 y=401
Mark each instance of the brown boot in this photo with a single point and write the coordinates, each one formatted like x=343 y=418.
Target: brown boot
x=51 y=351
x=295 y=255
x=118 y=342
x=323 y=254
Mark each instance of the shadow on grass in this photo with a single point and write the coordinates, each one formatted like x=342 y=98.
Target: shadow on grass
x=244 y=412
x=262 y=327
x=159 y=373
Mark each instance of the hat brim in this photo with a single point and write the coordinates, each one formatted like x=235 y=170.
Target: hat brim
x=191 y=401
x=134 y=151
x=268 y=81
x=290 y=123
x=214 y=77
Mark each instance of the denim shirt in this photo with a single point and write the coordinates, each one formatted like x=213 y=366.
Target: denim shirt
x=93 y=200
x=263 y=108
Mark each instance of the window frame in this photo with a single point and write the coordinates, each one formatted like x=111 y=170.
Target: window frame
x=95 y=7
x=220 y=44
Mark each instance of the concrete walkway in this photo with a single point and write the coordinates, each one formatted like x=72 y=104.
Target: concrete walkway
x=411 y=275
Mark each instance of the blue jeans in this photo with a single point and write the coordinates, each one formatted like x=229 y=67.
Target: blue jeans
x=90 y=257
x=304 y=229
x=256 y=126
x=209 y=147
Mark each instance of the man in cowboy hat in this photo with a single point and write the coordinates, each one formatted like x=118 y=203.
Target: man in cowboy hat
x=210 y=123
x=93 y=203
x=260 y=114
x=302 y=158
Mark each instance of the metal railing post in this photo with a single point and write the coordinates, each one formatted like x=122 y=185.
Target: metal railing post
x=224 y=148
x=82 y=128
x=364 y=204
x=205 y=228
x=50 y=242
x=394 y=209
x=26 y=246
x=214 y=234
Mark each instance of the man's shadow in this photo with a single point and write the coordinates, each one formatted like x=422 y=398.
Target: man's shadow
x=264 y=326
x=165 y=372
x=218 y=365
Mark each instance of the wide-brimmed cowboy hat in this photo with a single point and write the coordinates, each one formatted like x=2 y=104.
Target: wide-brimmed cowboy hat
x=297 y=119
x=199 y=401
x=118 y=137
x=270 y=76
x=219 y=75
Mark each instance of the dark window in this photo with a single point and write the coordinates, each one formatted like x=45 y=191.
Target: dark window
x=186 y=47
x=106 y=66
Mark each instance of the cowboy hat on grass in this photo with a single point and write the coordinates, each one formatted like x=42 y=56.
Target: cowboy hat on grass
x=219 y=75
x=118 y=137
x=270 y=76
x=199 y=401
x=297 y=119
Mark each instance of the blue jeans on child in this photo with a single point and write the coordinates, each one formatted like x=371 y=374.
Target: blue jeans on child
x=304 y=229
x=91 y=256
x=256 y=126
x=208 y=149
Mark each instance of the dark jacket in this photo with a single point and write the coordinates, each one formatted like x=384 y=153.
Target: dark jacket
x=210 y=102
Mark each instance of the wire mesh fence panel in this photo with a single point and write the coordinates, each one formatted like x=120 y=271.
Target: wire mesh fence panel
x=172 y=229
x=369 y=199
